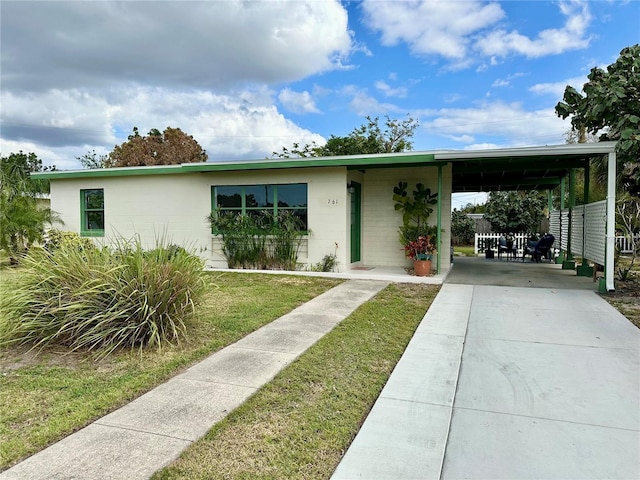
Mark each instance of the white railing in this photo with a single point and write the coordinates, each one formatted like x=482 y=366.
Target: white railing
x=624 y=244
x=483 y=241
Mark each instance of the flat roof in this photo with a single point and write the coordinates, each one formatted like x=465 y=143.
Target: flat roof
x=517 y=168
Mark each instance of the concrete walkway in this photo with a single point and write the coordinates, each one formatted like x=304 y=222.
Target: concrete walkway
x=507 y=382
x=149 y=433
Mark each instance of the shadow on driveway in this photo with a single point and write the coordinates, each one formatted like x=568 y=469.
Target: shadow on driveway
x=504 y=273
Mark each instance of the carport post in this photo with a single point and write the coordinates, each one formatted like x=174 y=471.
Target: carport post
x=611 y=223
x=560 y=258
x=585 y=270
x=439 y=237
x=570 y=263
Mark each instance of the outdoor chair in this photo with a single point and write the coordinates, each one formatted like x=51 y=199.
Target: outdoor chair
x=539 y=249
x=505 y=246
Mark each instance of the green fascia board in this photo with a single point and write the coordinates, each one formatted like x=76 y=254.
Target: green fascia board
x=350 y=162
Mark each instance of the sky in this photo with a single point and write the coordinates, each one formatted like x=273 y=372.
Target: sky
x=246 y=78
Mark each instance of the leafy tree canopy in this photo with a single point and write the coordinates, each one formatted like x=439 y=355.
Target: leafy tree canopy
x=170 y=147
x=22 y=218
x=610 y=107
x=93 y=160
x=369 y=138
x=473 y=208
x=515 y=212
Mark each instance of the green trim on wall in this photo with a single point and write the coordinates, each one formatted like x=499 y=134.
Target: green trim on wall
x=85 y=231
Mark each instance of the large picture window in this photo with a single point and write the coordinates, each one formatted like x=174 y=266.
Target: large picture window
x=92 y=212
x=255 y=200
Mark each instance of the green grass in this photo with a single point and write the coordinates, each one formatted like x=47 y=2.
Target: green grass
x=47 y=396
x=300 y=424
x=464 y=251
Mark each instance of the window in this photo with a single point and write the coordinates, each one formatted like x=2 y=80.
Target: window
x=255 y=200
x=92 y=212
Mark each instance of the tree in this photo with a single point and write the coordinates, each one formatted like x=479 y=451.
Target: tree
x=22 y=217
x=170 y=147
x=463 y=228
x=610 y=107
x=368 y=138
x=515 y=212
x=92 y=160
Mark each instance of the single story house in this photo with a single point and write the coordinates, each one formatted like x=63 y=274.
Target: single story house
x=345 y=201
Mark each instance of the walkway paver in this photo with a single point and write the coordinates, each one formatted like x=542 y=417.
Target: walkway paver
x=149 y=433
x=508 y=383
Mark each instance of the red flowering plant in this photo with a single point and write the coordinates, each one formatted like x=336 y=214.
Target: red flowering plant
x=420 y=249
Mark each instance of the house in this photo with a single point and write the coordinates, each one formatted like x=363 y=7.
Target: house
x=343 y=200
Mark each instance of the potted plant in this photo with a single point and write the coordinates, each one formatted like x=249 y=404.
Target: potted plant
x=416 y=235
x=421 y=251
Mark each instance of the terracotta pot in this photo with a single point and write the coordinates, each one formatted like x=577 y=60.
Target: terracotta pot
x=422 y=268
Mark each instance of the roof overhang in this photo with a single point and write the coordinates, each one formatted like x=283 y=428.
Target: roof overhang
x=521 y=168
x=524 y=168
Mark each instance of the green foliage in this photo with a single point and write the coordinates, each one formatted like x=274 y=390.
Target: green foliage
x=515 y=212
x=416 y=209
x=473 y=208
x=610 y=107
x=628 y=222
x=22 y=216
x=55 y=238
x=369 y=138
x=262 y=242
x=101 y=299
x=462 y=227
x=328 y=263
x=92 y=160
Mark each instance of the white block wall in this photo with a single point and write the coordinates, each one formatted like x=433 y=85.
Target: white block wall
x=176 y=205
x=381 y=222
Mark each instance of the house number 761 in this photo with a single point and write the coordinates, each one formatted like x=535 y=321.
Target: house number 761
x=332 y=201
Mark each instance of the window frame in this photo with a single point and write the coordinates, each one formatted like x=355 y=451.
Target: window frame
x=85 y=231
x=274 y=208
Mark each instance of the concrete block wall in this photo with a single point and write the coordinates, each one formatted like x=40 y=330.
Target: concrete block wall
x=381 y=245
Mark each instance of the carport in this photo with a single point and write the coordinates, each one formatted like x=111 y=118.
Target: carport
x=587 y=231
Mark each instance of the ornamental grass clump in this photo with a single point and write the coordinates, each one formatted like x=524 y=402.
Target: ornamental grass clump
x=103 y=299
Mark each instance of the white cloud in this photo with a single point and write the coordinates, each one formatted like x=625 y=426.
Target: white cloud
x=199 y=44
x=431 y=28
x=389 y=91
x=469 y=32
x=556 y=89
x=297 y=102
x=509 y=123
x=552 y=41
x=363 y=104
x=500 y=82
x=240 y=125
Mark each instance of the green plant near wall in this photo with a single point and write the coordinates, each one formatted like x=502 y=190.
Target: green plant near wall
x=262 y=242
x=416 y=209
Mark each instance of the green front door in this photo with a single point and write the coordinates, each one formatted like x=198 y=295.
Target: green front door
x=355 y=222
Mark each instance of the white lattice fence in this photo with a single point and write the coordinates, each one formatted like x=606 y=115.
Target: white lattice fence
x=565 y=216
x=577 y=230
x=595 y=225
x=555 y=226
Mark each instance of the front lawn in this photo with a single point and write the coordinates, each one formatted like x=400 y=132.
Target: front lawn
x=299 y=425
x=46 y=396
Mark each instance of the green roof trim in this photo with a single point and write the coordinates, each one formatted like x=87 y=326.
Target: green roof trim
x=350 y=162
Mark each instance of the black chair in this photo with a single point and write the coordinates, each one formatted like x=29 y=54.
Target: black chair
x=539 y=249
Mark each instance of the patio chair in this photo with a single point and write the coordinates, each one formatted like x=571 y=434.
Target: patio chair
x=506 y=246
x=539 y=249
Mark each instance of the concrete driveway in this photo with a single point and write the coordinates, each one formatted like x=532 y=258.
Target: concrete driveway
x=516 y=372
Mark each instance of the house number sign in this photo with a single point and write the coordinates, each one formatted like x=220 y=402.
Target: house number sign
x=332 y=201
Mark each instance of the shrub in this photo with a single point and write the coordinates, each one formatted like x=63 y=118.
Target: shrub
x=263 y=241
x=102 y=299
x=54 y=238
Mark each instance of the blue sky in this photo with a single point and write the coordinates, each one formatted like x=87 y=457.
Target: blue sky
x=247 y=78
